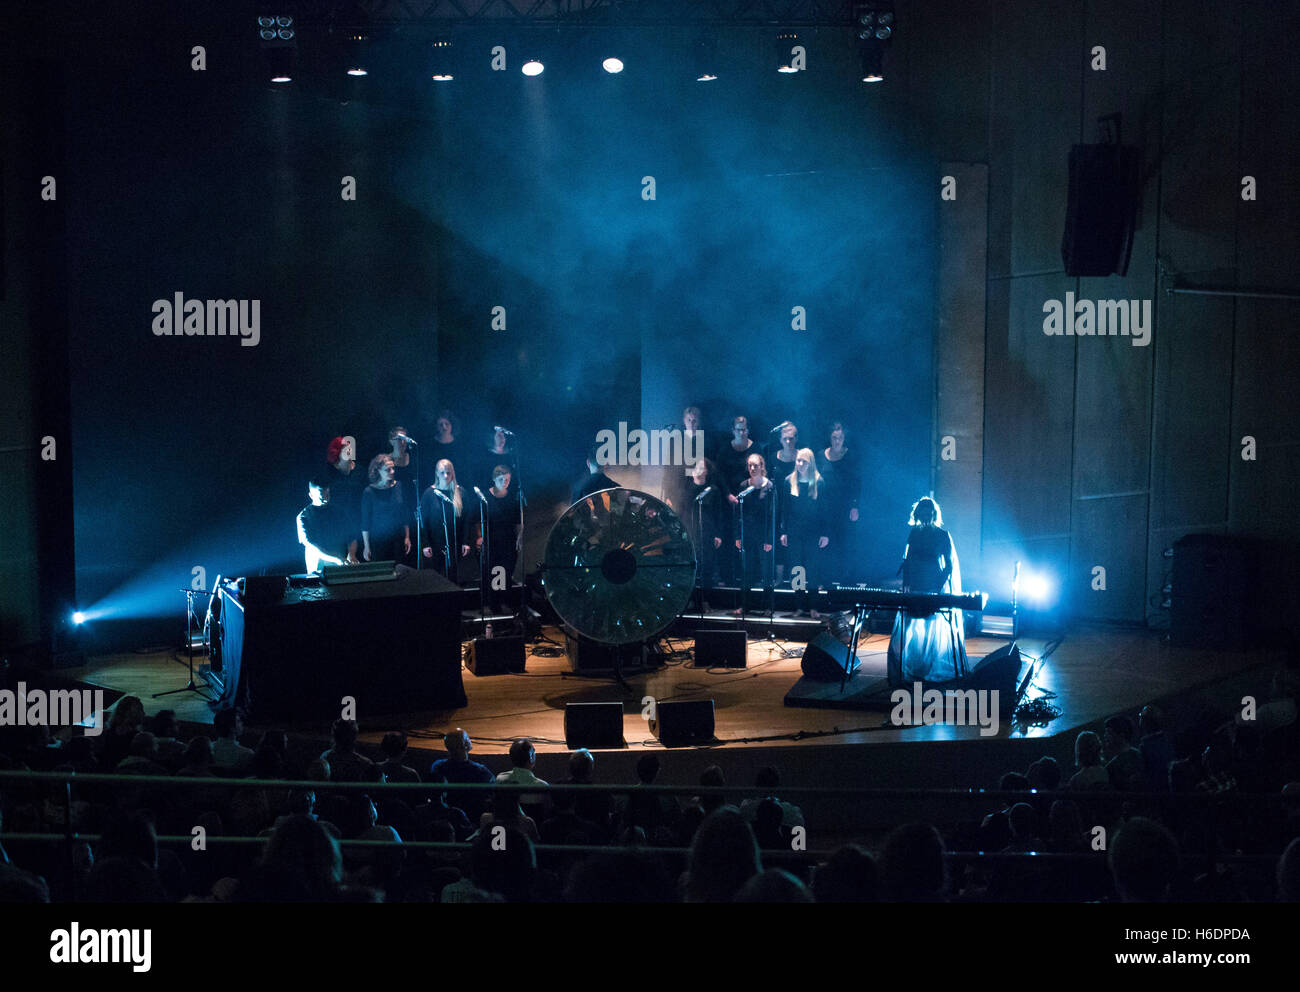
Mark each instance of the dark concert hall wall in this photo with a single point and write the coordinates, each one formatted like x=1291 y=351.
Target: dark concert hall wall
x=1100 y=454
x=771 y=192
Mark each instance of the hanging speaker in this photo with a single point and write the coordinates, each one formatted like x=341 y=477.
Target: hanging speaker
x=1101 y=211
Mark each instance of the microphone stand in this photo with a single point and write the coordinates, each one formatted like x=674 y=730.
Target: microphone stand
x=411 y=443
x=446 y=537
x=699 y=531
x=483 y=557
x=744 y=561
x=771 y=586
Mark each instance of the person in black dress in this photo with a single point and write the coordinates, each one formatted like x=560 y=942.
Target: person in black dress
x=321 y=529
x=505 y=532
x=501 y=452
x=756 y=516
x=839 y=467
x=709 y=523
x=445 y=446
x=802 y=523
x=593 y=482
x=345 y=485
x=730 y=459
x=385 y=520
x=403 y=461
x=445 y=519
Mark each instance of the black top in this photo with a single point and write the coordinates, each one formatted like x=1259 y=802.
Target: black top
x=708 y=518
x=802 y=517
x=929 y=559
x=345 y=494
x=845 y=478
x=439 y=520
x=757 y=511
x=502 y=516
x=384 y=514
x=591 y=484
x=731 y=464
x=325 y=527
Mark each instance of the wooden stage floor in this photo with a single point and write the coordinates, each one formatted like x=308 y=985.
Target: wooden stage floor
x=1093 y=672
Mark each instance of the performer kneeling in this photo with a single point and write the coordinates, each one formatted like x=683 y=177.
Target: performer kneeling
x=446 y=535
x=928 y=647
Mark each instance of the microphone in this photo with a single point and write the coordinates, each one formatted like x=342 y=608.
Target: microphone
x=703 y=494
x=507 y=433
x=445 y=497
x=781 y=426
x=412 y=442
x=745 y=492
x=479 y=493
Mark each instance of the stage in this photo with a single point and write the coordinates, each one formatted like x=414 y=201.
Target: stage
x=1094 y=672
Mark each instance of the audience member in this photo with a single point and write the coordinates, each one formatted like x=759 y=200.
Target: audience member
x=346 y=765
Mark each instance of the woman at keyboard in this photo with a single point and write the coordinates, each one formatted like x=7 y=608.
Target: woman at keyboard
x=928 y=647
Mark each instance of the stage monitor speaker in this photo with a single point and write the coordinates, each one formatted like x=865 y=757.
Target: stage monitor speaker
x=721 y=648
x=258 y=590
x=1101 y=211
x=825 y=658
x=683 y=723
x=598 y=725
x=999 y=671
x=1208 y=591
x=496 y=655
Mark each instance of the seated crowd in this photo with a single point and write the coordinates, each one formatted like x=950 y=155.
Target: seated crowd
x=1128 y=831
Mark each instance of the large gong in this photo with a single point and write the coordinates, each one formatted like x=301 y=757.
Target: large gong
x=619 y=566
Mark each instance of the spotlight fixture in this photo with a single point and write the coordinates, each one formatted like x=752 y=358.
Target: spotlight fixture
x=280 y=61
x=533 y=67
x=442 y=69
x=78 y=618
x=875 y=30
x=705 y=51
x=612 y=65
x=787 y=60
x=276 y=37
x=358 y=44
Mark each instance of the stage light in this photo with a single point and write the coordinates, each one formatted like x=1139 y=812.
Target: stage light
x=281 y=62
x=357 y=45
x=705 y=51
x=612 y=65
x=78 y=618
x=873 y=65
x=875 y=32
x=533 y=67
x=1037 y=587
x=442 y=69
x=786 y=42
